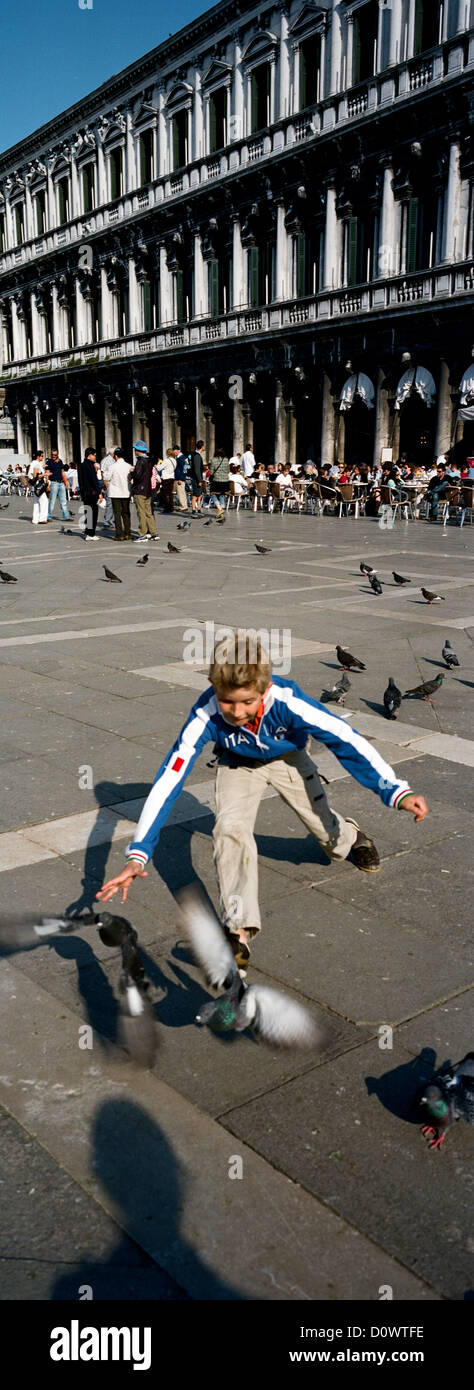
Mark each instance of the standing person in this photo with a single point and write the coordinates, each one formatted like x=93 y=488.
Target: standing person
x=91 y=490
x=37 y=475
x=58 y=484
x=261 y=726
x=247 y=462
x=236 y=458
x=119 y=493
x=106 y=467
x=197 y=475
x=181 y=469
x=141 y=486
x=219 y=476
x=166 y=470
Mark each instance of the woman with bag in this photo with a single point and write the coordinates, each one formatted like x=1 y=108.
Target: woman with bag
x=37 y=476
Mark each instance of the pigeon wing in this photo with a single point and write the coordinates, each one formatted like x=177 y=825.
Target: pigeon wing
x=205 y=936
x=277 y=1018
x=18 y=933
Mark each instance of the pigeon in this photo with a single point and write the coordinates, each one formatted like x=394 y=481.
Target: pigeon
x=110 y=576
x=184 y=526
x=4 y=506
x=220 y=520
x=65 y=531
x=449 y=1097
x=392 y=699
x=338 y=691
x=348 y=662
x=450 y=656
x=366 y=569
x=8 y=578
x=144 y=560
x=375 y=584
x=433 y=598
x=399 y=578
x=209 y=523
x=427 y=688
x=263 y=549
x=271 y=1015
x=173 y=549
x=137 y=1029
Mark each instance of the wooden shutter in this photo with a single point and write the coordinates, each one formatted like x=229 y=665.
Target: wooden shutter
x=147 y=310
x=254 y=101
x=212 y=125
x=413 y=219
x=254 y=260
x=352 y=245
x=301 y=249
x=213 y=272
x=303 y=77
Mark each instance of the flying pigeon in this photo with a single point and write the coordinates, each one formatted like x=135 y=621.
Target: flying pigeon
x=173 y=549
x=449 y=1097
x=272 y=1016
x=144 y=560
x=110 y=577
x=137 y=1030
x=375 y=584
x=392 y=699
x=338 y=691
x=427 y=688
x=8 y=578
x=366 y=569
x=348 y=662
x=183 y=526
x=433 y=598
x=450 y=656
x=263 y=549
x=399 y=578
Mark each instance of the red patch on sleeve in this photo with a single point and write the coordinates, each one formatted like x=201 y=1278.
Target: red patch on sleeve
x=177 y=765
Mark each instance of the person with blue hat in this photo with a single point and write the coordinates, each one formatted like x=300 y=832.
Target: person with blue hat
x=141 y=488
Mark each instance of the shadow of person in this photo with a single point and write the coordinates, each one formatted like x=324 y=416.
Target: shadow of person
x=148 y=1187
x=397 y=1089
x=101 y=1008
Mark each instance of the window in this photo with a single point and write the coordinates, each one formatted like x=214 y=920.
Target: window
x=310 y=71
x=40 y=212
x=261 y=274
x=123 y=310
x=427 y=24
x=180 y=139
x=150 y=305
x=2 y=232
x=260 y=97
x=360 y=249
x=116 y=172
x=364 y=44
x=19 y=224
x=146 y=157
x=418 y=236
x=217 y=119
x=88 y=187
x=306 y=268
x=183 y=297
x=63 y=201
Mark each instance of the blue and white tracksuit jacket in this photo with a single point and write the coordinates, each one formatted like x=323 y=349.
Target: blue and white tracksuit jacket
x=289 y=717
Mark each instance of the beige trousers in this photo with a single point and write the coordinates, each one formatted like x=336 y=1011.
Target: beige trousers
x=238 y=794
x=145 y=516
x=180 y=490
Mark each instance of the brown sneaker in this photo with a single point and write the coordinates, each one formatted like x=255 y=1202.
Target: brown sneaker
x=365 y=855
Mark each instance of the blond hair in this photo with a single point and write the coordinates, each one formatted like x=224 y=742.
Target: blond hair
x=240 y=660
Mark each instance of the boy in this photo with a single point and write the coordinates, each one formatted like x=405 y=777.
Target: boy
x=261 y=727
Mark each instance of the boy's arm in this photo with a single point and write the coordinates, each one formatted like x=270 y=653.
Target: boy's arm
x=354 y=752
x=168 y=784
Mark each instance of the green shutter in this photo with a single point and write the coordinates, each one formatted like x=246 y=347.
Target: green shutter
x=356 y=47
x=301 y=249
x=254 y=102
x=213 y=274
x=254 y=266
x=180 y=296
x=413 y=211
x=147 y=313
x=419 y=17
x=352 y=244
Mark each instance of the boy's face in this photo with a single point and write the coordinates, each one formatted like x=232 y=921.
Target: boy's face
x=239 y=704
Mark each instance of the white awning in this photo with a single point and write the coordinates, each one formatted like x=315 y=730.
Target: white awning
x=417 y=379
x=467 y=387
x=357 y=385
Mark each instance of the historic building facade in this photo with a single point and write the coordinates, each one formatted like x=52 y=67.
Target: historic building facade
x=261 y=231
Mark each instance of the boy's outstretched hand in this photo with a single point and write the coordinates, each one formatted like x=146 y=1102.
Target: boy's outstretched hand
x=121 y=881
x=415 y=804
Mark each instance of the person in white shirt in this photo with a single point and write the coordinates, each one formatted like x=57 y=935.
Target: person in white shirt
x=71 y=475
x=247 y=462
x=236 y=459
x=240 y=484
x=119 y=493
x=106 y=466
x=36 y=472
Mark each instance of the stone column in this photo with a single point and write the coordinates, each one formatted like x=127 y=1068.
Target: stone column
x=452 y=239
x=336 y=82
x=238 y=90
x=166 y=290
x=382 y=419
x=201 y=422
x=388 y=241
x=29 y=218
x=17 y=335
x=21 y=435
x=76 y=199
x=328 y=430
x=331 y=241
x=134 y=298
x=131 y=156
x=280 y=425
x=284 y=70
x=396 y=32
x=64 y=439
x=444 y=422
x=8 y=224
x=411 y=30
x=36 y=329
x=349 y=50
x=238 y=428
x=87 y=430
x=102 y=190
x=290 y=434
x=107 y=306
x=59 y=339
x=239 y=293
x=201 y=306
x=168 y=424
x=42 y=435
x=162 y=135
x=83 y=326
x=281 y=276
x=110 y=427
x=197 y=118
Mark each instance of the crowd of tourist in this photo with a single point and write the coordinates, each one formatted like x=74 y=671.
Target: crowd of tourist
x=187 y=483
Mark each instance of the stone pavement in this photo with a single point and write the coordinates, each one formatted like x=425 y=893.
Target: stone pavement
x=120 y=1180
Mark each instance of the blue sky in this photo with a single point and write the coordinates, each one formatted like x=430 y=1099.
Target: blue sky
x=53 y=53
